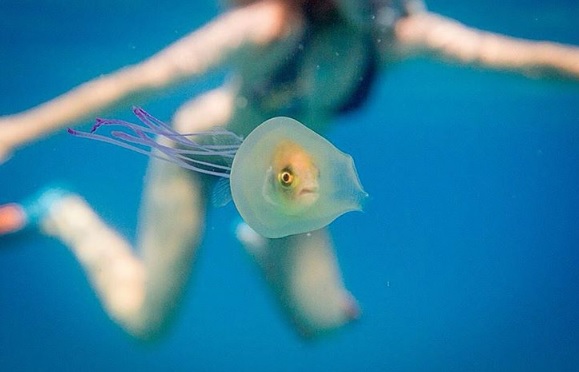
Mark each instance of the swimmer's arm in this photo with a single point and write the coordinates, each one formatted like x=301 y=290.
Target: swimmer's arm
x=431 y=34
x=195 y=54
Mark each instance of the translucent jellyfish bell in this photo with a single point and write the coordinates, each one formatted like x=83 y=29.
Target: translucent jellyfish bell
x=284 y=178
x=287 y=179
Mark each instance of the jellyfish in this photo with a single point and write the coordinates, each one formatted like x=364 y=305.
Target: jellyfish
x=284 y=178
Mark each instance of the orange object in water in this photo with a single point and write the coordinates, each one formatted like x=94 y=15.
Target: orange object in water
x=12 y=218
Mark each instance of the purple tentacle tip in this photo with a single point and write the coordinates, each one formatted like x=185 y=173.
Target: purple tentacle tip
x=97 y=124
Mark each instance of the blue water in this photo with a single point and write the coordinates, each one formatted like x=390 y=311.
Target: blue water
x=466 y=259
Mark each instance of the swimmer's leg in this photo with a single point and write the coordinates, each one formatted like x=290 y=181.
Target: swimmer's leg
x=170 y=231
x=303 y=273
x=139 y=292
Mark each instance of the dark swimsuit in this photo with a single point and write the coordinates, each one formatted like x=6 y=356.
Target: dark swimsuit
x=384 y=14
x=286 y=77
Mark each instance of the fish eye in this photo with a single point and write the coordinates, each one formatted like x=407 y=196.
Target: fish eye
x=285 y=177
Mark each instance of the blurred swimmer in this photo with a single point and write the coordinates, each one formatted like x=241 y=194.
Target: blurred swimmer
x=308 y=59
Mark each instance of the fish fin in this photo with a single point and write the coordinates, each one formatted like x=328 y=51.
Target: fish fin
x=221 y=193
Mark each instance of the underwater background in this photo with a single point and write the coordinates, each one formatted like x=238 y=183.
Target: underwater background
x=466 y=258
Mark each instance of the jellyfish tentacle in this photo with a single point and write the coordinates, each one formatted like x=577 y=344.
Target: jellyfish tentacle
x=159 y=127
x=134 y=137
x=180 y=138
x=174 y=155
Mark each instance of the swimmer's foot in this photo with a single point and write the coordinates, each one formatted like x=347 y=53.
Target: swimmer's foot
x=30 y=213
x=12 y=218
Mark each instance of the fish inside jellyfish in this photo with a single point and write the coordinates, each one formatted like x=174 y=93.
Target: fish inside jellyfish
x=284 y=178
